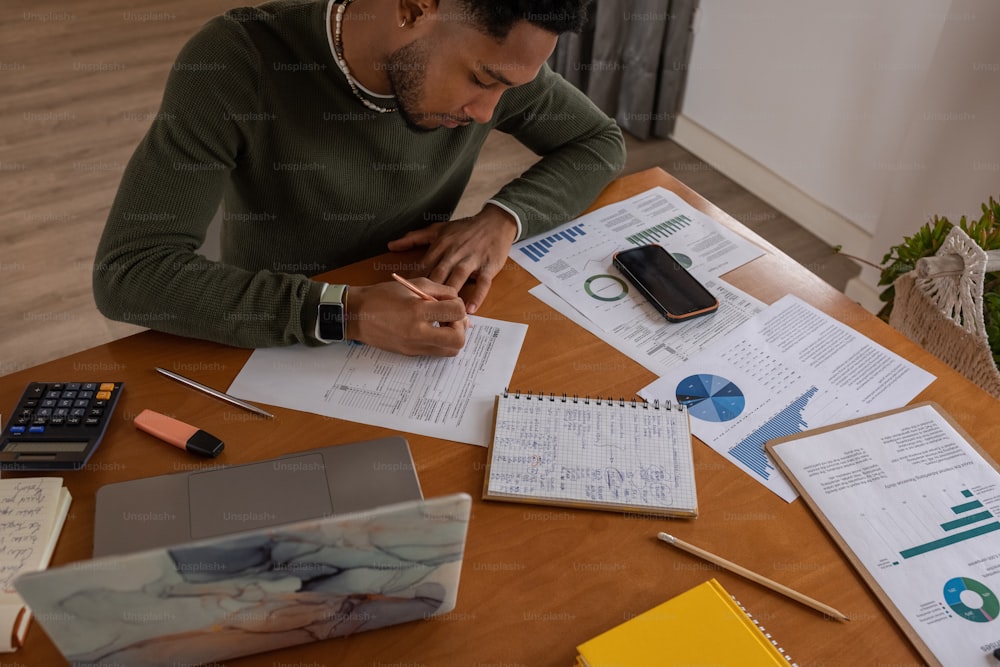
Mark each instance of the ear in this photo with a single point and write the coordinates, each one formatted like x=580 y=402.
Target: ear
x=408 y=12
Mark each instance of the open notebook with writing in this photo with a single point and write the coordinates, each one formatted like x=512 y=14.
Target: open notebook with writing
x=32 y=513
x=592 y=453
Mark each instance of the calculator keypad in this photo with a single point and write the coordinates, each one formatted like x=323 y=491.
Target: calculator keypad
x=51 y=416
x=45 y=406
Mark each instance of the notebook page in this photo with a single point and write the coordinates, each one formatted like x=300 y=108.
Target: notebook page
x=28 y=508
x=595 y=451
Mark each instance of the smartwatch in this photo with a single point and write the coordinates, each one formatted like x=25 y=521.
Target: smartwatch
x=330 y=320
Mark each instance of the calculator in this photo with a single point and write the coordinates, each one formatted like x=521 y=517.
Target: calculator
x=57 y=425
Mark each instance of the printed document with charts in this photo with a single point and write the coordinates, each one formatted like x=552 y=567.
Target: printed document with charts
x=574 y=264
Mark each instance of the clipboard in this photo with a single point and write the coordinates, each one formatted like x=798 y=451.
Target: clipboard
x=775 y=447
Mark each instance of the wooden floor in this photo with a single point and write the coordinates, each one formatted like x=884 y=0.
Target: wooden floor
x=79 y=83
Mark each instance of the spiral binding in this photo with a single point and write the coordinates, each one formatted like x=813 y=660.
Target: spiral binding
x=767 y=635
x=598 y=400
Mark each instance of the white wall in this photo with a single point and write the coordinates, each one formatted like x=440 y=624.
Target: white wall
x=858 y=118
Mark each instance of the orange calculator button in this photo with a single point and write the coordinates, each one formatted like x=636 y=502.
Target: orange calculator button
x=107 y=386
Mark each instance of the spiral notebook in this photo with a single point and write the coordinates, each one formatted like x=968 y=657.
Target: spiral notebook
x=592 y=453
x=702 y=626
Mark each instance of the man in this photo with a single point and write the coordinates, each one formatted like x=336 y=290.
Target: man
x=333 y=131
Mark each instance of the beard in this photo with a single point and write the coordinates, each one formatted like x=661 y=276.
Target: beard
x=407 y=71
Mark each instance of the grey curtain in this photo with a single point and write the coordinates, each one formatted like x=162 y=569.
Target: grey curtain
x=631 y=60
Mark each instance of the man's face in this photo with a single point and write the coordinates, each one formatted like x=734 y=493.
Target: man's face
x=454 y=75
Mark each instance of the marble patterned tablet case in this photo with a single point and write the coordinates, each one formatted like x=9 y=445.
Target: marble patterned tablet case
x=230 y=596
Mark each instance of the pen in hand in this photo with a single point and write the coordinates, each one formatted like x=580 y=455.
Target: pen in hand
x=413 y=288
x=419 y=292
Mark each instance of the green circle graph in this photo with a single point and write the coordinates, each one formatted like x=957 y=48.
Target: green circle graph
x=596 y=291
x=984 y=612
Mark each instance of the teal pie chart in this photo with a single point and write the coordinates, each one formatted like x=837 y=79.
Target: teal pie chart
x=971 y=600
x=710 y=398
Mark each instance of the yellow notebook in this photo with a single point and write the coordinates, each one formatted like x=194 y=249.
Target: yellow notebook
x=702 y=626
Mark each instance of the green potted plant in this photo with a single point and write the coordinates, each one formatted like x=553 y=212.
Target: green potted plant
x=903 y=258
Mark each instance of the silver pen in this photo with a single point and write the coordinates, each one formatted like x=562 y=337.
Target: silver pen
x=213 y=392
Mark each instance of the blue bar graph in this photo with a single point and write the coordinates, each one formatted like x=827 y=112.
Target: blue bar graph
x=750 y=451
x=536 y=250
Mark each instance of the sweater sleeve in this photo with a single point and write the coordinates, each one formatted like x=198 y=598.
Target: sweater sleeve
x=147 y=270
x=582 y=150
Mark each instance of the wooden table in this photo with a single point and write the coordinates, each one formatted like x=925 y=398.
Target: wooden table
x=536 y=580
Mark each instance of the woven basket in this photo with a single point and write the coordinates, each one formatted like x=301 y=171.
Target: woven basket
x=939 y=306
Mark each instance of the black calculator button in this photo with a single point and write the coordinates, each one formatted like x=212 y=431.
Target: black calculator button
x=80 y=403
x=47 y=403
x=53 y=394
x=92 y=421
x=95 y=412
x=60 y=412
x=74 y=421
x=65 y=404
x=89 y=386
x=77 y=412
x=73 y=386
x=57 y=386
x=43 y=412
x=85 y=394
x=57 y=421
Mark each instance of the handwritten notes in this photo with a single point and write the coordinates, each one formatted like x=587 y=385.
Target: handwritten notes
x=32 y=512
x=27 y=507
x=592 y=452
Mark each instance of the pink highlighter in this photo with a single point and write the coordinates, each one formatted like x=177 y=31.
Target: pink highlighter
x=177 y=433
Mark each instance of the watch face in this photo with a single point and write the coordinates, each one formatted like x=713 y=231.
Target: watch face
x=331 y=321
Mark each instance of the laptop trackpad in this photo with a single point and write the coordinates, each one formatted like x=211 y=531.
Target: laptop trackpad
x=257 y=495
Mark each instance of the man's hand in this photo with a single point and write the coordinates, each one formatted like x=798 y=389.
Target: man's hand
x=391 y=317
x=475 y=247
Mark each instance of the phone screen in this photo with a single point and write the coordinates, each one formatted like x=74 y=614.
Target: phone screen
x=665 y=283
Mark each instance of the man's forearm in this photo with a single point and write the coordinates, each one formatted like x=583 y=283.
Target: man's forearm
x=564 y=182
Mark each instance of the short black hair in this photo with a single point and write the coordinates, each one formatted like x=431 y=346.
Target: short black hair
x=497 y=17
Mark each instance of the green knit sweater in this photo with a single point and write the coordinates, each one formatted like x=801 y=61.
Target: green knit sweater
x=257 y=114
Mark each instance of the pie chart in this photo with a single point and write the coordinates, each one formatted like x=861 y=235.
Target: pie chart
x=971 y=600
x=711 y=398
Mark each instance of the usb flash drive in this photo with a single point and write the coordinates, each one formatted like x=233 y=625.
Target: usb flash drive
x=177 y=433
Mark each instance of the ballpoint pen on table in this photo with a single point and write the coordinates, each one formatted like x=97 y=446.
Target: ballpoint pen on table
x=212 y=392
x=753 y=576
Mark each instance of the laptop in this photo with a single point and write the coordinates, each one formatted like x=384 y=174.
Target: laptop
x=222 y=500
x=222 y=597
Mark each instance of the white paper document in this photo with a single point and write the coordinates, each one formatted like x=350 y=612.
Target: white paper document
x=575 y=259
x=919 y=507
x=444 y=397
x=789 y=369
x=659 y=345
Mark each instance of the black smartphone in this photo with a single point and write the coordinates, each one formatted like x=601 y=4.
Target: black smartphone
x=665 y=283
